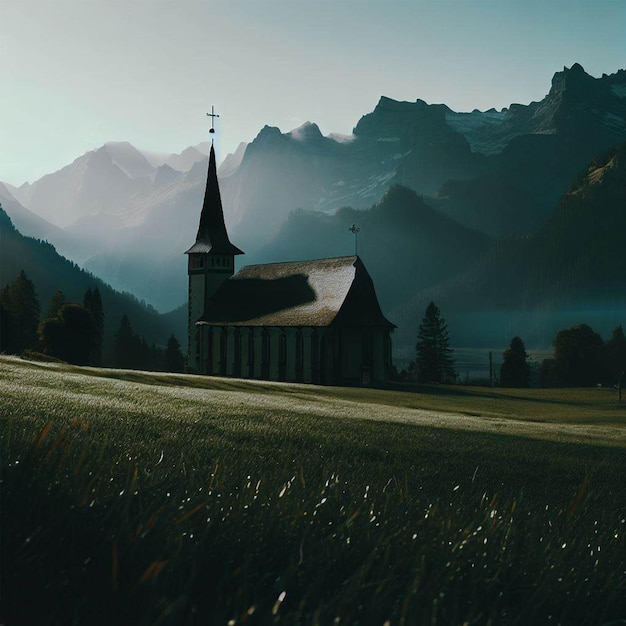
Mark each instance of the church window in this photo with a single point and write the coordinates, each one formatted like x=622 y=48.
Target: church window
x=315 y=357
x=209 y=367
x=223 y=351
x=251 y=353
x=282 y=355
x=265 y=353
x=282 y=347
x=299 y=354
x=237 y=356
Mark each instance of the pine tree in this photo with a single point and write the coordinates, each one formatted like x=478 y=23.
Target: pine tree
x=515 y=371
x=578 y=353
x=70 y=335
x=435 y=363
x=93 y=302
x=174 y=360
x=615 y=358
x=56 y=302
x=124 y=345
x=6 y=323
x=24 y=310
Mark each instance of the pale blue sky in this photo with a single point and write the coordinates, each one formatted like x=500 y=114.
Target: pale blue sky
x=77 y=73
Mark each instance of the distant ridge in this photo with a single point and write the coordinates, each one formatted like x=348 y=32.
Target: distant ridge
x=49 y=271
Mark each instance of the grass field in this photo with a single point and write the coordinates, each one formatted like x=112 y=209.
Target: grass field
x=137 y=498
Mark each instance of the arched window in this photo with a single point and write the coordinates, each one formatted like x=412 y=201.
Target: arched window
x=237 y=350
x=282 y=355
x=315 y=356
x=299 y=355
x=250 y=352
x=209 y=361
x=265 y=354
x=223 y=351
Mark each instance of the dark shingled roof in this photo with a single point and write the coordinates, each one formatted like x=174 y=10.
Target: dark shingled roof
x=336 y=291
x=212 y=236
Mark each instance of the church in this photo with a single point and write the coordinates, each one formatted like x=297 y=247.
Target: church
x=313 y=321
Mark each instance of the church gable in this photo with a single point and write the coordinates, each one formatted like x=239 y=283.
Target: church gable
x=301 y=293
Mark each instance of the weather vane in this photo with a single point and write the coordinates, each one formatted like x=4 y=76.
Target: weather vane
x=212 y=115
x=355 y=231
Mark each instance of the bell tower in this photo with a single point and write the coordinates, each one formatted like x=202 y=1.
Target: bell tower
x=211 y=259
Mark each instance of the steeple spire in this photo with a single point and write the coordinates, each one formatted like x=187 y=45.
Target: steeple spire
x=212 y=236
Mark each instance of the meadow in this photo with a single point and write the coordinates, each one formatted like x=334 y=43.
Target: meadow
x=138 y=498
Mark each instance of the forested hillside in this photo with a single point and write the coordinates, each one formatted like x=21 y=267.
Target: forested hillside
x=575 y=262
x=51 y=272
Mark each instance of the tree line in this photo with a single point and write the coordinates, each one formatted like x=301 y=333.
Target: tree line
x=581 y=357
x=73 y=332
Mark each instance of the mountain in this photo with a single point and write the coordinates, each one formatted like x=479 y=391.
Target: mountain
x=128 y=215
x=26 y=221
x=399 y=238
x=572 y=270
x=49 y=271
x=577 y=104
x=501 y=172
x=536 y=150
x=406 y=143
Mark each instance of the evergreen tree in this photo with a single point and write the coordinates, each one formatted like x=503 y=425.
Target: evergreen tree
x=124 y=345
x=515 y=371
x=6 y=323
x=24 y=310
x=56 y=302
x=93 y=302
x=615 y=357
x=70 y=335
x=435 y=363
x=578 y=353
x=173 y=360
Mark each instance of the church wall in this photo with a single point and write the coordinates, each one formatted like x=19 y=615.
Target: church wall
x=351 y=356
x=195 y=312
x=290 y=374
x=206 y=273
x=230 y=352
x=348 y=356
x=274 y=334
x=306 y=355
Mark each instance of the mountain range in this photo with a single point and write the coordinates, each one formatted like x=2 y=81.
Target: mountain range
x=435 y=192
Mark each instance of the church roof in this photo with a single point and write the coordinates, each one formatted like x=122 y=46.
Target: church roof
x=212 y=236
x=337 y=291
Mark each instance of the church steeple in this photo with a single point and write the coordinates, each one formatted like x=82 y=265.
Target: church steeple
x=211 y=259
x=212 y=237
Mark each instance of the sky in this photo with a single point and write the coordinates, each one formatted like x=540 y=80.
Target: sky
x=75 y=74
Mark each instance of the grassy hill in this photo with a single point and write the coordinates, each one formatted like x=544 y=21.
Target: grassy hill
x=142 y=498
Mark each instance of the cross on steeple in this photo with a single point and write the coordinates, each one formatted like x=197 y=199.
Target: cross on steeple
x=212 y=115
x=355 y=230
